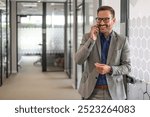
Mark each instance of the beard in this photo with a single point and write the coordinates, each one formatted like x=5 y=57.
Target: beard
x=105 y=25
x=103 y=28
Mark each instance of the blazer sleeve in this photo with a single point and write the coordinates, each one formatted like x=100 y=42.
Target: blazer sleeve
x=84 y=50
x=125 y=62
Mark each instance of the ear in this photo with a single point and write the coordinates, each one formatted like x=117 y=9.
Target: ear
x=114 y=20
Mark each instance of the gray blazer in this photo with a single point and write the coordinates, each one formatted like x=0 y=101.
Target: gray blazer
x=118 y=57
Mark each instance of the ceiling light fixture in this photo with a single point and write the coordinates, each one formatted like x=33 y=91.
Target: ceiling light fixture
x=39 y=1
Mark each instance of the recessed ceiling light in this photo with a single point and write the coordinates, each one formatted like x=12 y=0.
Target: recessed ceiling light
x=39 y=0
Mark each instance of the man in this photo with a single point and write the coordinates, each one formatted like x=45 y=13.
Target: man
x=107 y=59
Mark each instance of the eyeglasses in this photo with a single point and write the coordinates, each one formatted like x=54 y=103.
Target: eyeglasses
x=105 y=20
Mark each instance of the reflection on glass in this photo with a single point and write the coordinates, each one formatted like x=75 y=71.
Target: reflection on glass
x=3 y=16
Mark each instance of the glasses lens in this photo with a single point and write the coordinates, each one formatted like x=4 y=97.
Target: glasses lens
x=98 y=19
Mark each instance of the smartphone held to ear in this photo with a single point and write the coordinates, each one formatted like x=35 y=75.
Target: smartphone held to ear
x=94 y=32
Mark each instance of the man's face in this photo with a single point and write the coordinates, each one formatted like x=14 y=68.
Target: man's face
x=105 y=21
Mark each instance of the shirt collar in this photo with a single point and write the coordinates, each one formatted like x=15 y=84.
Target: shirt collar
x=102 y=36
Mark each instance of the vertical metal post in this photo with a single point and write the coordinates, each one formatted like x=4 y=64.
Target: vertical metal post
x=75 y=40
x=100 y=2
x=124 y=15
x=83 y=12
x=127 y=18
x=7 y=39
x=65 y=36
x=124 y=11
x=44 y=60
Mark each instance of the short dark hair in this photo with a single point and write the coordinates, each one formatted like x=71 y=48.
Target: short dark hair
x=103 y=8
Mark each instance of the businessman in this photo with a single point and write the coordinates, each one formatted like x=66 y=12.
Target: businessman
x=107 y=57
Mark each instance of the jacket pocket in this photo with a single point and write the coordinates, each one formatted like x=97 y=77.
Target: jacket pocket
x=118 y=78
x=84 y=77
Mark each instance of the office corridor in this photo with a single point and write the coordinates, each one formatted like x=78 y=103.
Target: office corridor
x=32 y=83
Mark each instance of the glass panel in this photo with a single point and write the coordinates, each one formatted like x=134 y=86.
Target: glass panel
x=79 y=2
x=29 y=30
x=55 y=36
x=4 y=54
x=30 y=35
x=69 y=38
x=89 y=14
x=88 y=20
x=3 y=45
x=8 y=39
x=79 y=38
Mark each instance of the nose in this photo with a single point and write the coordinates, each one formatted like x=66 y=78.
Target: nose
x=102 y=22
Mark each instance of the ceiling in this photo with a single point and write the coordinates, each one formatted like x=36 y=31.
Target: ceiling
x=2 y=4
x=41 y=0
x=34 y=7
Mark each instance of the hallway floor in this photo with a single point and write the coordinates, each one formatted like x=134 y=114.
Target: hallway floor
x=32 y=84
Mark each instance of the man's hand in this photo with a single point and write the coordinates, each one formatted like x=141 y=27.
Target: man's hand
x=102 y=68
x=94 y=32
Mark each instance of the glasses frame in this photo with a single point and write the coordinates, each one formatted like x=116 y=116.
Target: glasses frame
x=105 y=20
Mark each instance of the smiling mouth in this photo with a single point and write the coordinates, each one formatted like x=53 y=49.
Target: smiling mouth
x=103 y=25
x=99 y=26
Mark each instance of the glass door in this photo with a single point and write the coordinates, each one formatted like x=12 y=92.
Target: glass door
x=55 y=20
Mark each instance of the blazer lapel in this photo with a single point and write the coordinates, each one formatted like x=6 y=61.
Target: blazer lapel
x=111 y=47
x=98 y=43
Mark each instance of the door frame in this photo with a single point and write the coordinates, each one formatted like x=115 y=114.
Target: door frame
x=77 y=6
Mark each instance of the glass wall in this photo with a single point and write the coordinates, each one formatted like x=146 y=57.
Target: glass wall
x=86 y=11
x=29 y=22
x=8 y=50
x=80 y=29
x=4 y=45
x=3 y=53
x=29 y=35
x=55 y=21
x=35 y=39
x=69 y=40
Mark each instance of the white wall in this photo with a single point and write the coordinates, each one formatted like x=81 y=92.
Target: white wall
x=139 y=38
x=139 y=8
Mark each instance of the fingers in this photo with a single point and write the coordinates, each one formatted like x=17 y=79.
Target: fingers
x=101 y=68
x=95 y=29
x=99 y=65
x=94 y=32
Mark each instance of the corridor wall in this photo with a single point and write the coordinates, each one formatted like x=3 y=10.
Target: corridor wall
x=139 y=30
